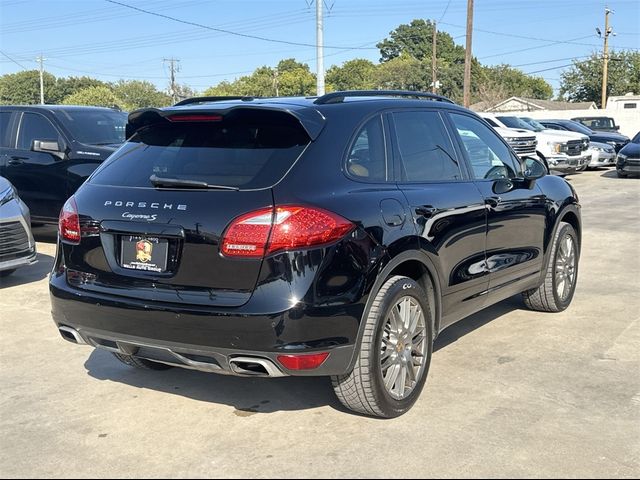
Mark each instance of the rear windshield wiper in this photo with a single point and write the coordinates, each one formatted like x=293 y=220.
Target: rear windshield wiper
x=161 y=182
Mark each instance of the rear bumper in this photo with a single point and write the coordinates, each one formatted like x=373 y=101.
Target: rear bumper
x=208 y=341
x=17 y=246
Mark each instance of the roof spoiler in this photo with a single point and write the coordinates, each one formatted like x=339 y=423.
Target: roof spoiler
x=311 y=120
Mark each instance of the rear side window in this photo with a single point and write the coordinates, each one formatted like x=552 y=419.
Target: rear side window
x=35 y=127
x=247 y=149
x=426 y=151
x=367 y=158
x=4 y=128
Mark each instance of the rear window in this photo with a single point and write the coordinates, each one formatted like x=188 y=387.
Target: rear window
x=247 y=149
x=94 y=127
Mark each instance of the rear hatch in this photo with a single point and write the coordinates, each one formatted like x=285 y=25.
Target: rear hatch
x=153 y=215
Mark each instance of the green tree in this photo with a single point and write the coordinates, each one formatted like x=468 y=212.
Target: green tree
x=415 y=40
x=70 y=85
x=294 y=79
x=288 y=78
x=140 y=94
x=356 y=74
x=402 y=73
x=500 y=82
x=96 y=96
x=583 y=81
x=23 y=88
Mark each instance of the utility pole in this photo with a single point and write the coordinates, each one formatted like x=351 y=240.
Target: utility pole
x=434 y=80
x=467 y=56
x=319 y=48
x=173 y=68
x=41 y=60
x=605 y=68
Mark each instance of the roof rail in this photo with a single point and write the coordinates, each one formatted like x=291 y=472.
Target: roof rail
x=193 y=100
x=339 y=97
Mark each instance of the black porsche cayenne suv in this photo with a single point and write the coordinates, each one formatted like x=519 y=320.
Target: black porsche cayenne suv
x=332 y=236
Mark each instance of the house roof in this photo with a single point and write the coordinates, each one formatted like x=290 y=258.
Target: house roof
x=529 y=104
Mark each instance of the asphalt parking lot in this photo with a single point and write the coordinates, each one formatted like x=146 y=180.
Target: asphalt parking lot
x=511 y=393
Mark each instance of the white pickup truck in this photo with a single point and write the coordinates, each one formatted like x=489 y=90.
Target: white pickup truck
x=562 y=151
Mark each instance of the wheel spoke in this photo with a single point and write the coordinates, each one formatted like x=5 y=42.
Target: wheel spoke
x=395 y=320
x=402 y=381
x=391 y=377
x=406 y=313
x=415 y=318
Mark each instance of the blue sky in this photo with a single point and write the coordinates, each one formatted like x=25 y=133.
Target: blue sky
x=109 y=41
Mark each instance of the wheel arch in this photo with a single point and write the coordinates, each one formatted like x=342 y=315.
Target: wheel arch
x=417 y=266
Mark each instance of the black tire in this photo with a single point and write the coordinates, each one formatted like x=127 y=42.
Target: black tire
x=362 y=390
x=546 y=298
x=141 y=363
x=6 y=273
x=621 y=174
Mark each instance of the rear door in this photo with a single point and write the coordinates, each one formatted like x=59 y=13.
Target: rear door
x=163 y=242
x=39 y=177
x=516 y=219
x=447 y=208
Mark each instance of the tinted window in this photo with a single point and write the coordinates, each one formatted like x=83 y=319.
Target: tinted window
x=94 y=127
x=489 y=156
x=515 y=122
x=636 y=139
x=367 y=158
x=248 y=149
x=491 y=122
x=425 y=148
x=4 y=128
x=35 y=127
x=629 y=105
x=577 y=127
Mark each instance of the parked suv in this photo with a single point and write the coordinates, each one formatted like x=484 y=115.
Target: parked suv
x=332 y=236
x=47 y=151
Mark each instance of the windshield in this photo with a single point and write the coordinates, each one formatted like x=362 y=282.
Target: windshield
x=247 y=149
x=636 y=139
x=94 y=127
x=515 y=122
x=578 y=127
x=536 y=125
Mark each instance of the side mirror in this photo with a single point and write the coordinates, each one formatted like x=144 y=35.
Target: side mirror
x=48 y=146
x=616 y=127
x=534 y=168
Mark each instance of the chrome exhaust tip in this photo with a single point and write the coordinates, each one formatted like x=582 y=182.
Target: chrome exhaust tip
x=71 y=335
x=254 y=367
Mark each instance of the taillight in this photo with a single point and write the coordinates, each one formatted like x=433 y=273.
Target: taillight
x=69 y=222
x=269 y=230
x=302 y=362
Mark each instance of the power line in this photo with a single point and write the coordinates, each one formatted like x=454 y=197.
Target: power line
x=229 y=32
x=446 y=9
x=21 y=66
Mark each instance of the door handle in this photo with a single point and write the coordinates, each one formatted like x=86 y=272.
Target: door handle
x=492 y=202
x=426 y=211
x=14 y=160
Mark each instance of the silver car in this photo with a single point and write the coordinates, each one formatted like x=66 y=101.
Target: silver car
x=602 y=155
x=17 y=247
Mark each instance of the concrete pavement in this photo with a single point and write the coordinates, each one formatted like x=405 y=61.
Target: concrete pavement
x=511 y=393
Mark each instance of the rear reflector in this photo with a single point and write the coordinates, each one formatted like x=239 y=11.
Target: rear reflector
x=194 y=118
x=268 y=230
x=69 y=222
x=302 y=362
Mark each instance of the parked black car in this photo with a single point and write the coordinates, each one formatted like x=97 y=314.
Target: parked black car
x=616 y=140
x=332 y=236
x=47 y=151
x=598 y=124
x=628 y=159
